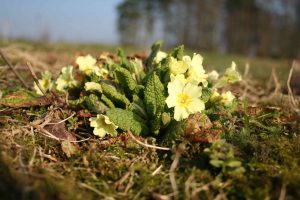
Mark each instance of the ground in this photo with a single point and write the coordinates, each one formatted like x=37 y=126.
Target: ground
x=259 y=160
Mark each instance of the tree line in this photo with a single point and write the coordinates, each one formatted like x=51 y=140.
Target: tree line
x=250 y=27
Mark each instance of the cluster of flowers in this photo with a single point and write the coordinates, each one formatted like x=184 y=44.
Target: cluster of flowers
x=187 y=81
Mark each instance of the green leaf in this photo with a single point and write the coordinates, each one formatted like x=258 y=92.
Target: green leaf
x=206 y=94
x=107 y=101
x=154 y=95
x=154 y=99
x=125 y=79
x=216 y=163
x=178 y=52
x=174 y=132
x=234 y=163
x=121 y=55
x=117 y=98
x=138 y=89
x=127 y=120
x=93 y=104
x=138 y=107
x=155 y=48
x=124 y=63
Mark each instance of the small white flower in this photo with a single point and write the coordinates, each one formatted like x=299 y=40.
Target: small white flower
x=227 y=98
x=66 y=79
x=46 y=83
x=92 y=86
x=103 y=126
x=87 y=64
x=160 y=56
x=185 y=98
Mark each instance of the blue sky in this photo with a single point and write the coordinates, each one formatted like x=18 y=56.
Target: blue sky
x=68 y=20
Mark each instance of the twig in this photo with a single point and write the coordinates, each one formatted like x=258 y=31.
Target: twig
x=290 y=92
x=35 y=78
x=172 y=174
x=157 y=170
x=95 y=190
x=276 y=81
x=12 y=68
x=282 y=192
x=147 y=145
x=62 y=120
x=247 y=68
x=49 y=157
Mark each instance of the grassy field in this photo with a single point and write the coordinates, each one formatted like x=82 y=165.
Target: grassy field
x=259 y=160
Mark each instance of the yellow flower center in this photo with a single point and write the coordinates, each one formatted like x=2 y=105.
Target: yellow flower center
x=183 y=100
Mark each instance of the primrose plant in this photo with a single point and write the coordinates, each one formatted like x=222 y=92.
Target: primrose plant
x=146 y=97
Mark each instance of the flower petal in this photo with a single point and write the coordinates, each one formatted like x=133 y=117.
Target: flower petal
x=180 y=113
x=197 y=60
x=196 y=105
x=192 y=90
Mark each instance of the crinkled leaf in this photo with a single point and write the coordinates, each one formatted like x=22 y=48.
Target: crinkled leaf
x=154 y=97
x=125 y=79
x=91 y=103
x=155 y=48
x=178 y=52
x=138 y=107
x=124 y=63
x=138 y=89
x=174 y=132
x=127 y=120
x=206 y=94
x=117 y=98
x=107 y=101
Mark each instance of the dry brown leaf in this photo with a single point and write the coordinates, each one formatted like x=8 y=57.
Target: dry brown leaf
x=26 y=99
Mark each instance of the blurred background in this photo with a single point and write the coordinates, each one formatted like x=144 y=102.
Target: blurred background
x=268 y=28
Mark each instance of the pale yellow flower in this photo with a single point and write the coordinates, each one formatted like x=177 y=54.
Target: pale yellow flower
x=87 y=64
x=46 y=83
x=227 y=98
x=160 y=56
x=185 y=98
x=179 y=77
x=231 y=75
x=66 y=79
x=92 y=86
x=213 y=75
x=178 y=67
x=196 y=72
x=103 y=126
x=100 y=71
